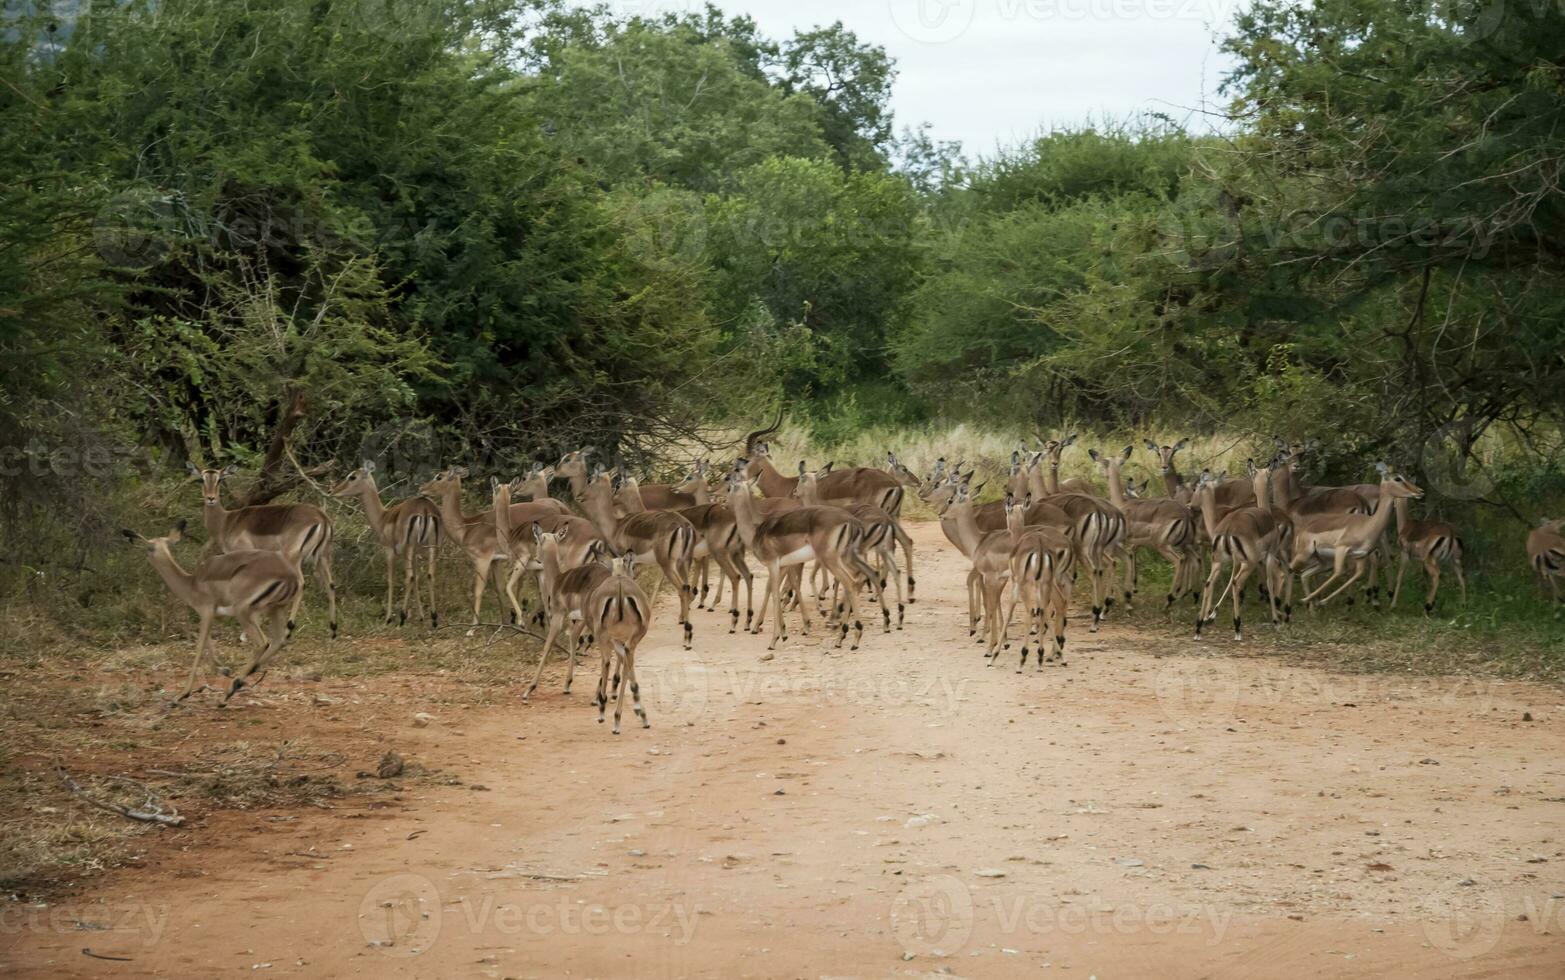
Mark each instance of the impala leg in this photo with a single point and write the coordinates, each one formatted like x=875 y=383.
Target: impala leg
x=577 y=628
x=391 y=578
x=1358 y=573
x=605 y=655
x=774 y=586
x=1209 y=593
x=264 y=647
x=906 y=544
x=623 y=679
x=749 y=588
x=1432 y=573
x=555 y=622
x=411 y=598
x=329 y=583
x=1242 y=572
x=635 y=686
x=434 y=608
x=512 y=581
x=1461 y=579
x=1396 y=588
x=480 y=580
x=202 y=637
x=766 y=601
x=1339 y=565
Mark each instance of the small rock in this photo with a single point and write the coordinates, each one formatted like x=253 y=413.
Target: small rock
x=1467 y=883
x=391 y=765
x=989 y=873
x=1129 y=862
x=422 y=719
x=782 y=741
x=779 y=793
x=1428 y=762
x=907 y=956
x=1526 y=716
x=479 y=788
x=1201 y=867
x=768 y=656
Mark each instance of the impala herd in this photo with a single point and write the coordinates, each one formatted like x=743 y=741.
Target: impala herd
x=1030 y=548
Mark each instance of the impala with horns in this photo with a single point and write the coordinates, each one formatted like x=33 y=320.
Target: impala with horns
x=255 y=587
x=403 y=530
x=862 y=484
x=303 y=532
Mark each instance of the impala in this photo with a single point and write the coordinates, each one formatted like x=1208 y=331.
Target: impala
x=404 y=530
x=618 y=613
x=1042 y=563
x=717 y=539
x=653 y=536
x=793 y=537
x=1546 y=555
x=1341 y=538
x=564 y=597
x=1434 y=543
x=1166 y=526
x=1097 y=526
x=301 y=531
x=251 y=586
x=880 y=538
x=1247 y=538
x=576 y=535
x=475 y=534
x=1173 y=484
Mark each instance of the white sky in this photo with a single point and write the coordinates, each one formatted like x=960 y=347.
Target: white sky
x=988 y=72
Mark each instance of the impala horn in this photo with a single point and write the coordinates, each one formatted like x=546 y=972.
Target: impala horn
x=749 y=440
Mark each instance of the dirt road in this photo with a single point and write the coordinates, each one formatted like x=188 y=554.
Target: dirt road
x=901 y=811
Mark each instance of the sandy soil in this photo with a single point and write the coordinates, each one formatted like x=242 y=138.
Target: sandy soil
x=899 y=811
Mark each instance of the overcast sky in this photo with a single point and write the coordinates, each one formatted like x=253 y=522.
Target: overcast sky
x=996 y=71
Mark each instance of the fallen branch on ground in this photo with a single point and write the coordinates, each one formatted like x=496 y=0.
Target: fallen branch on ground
x=144 y=815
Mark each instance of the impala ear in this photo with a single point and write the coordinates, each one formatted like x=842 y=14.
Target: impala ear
x=1093 y=453
x=1016 y=458
x=460 y=472
x=369 y=466
x=193 y=468
x=230 y=470
x=1125 y=457
x=494 y=484
x=537 y=532
x=1150 y=445
x=133 y=537
x=1181 y=444
x=1027 y=501
x=978 y=489
x=1382 y=469
x=1069 y=440
x=178 y=531
x=827 y=468
x=802 y=468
